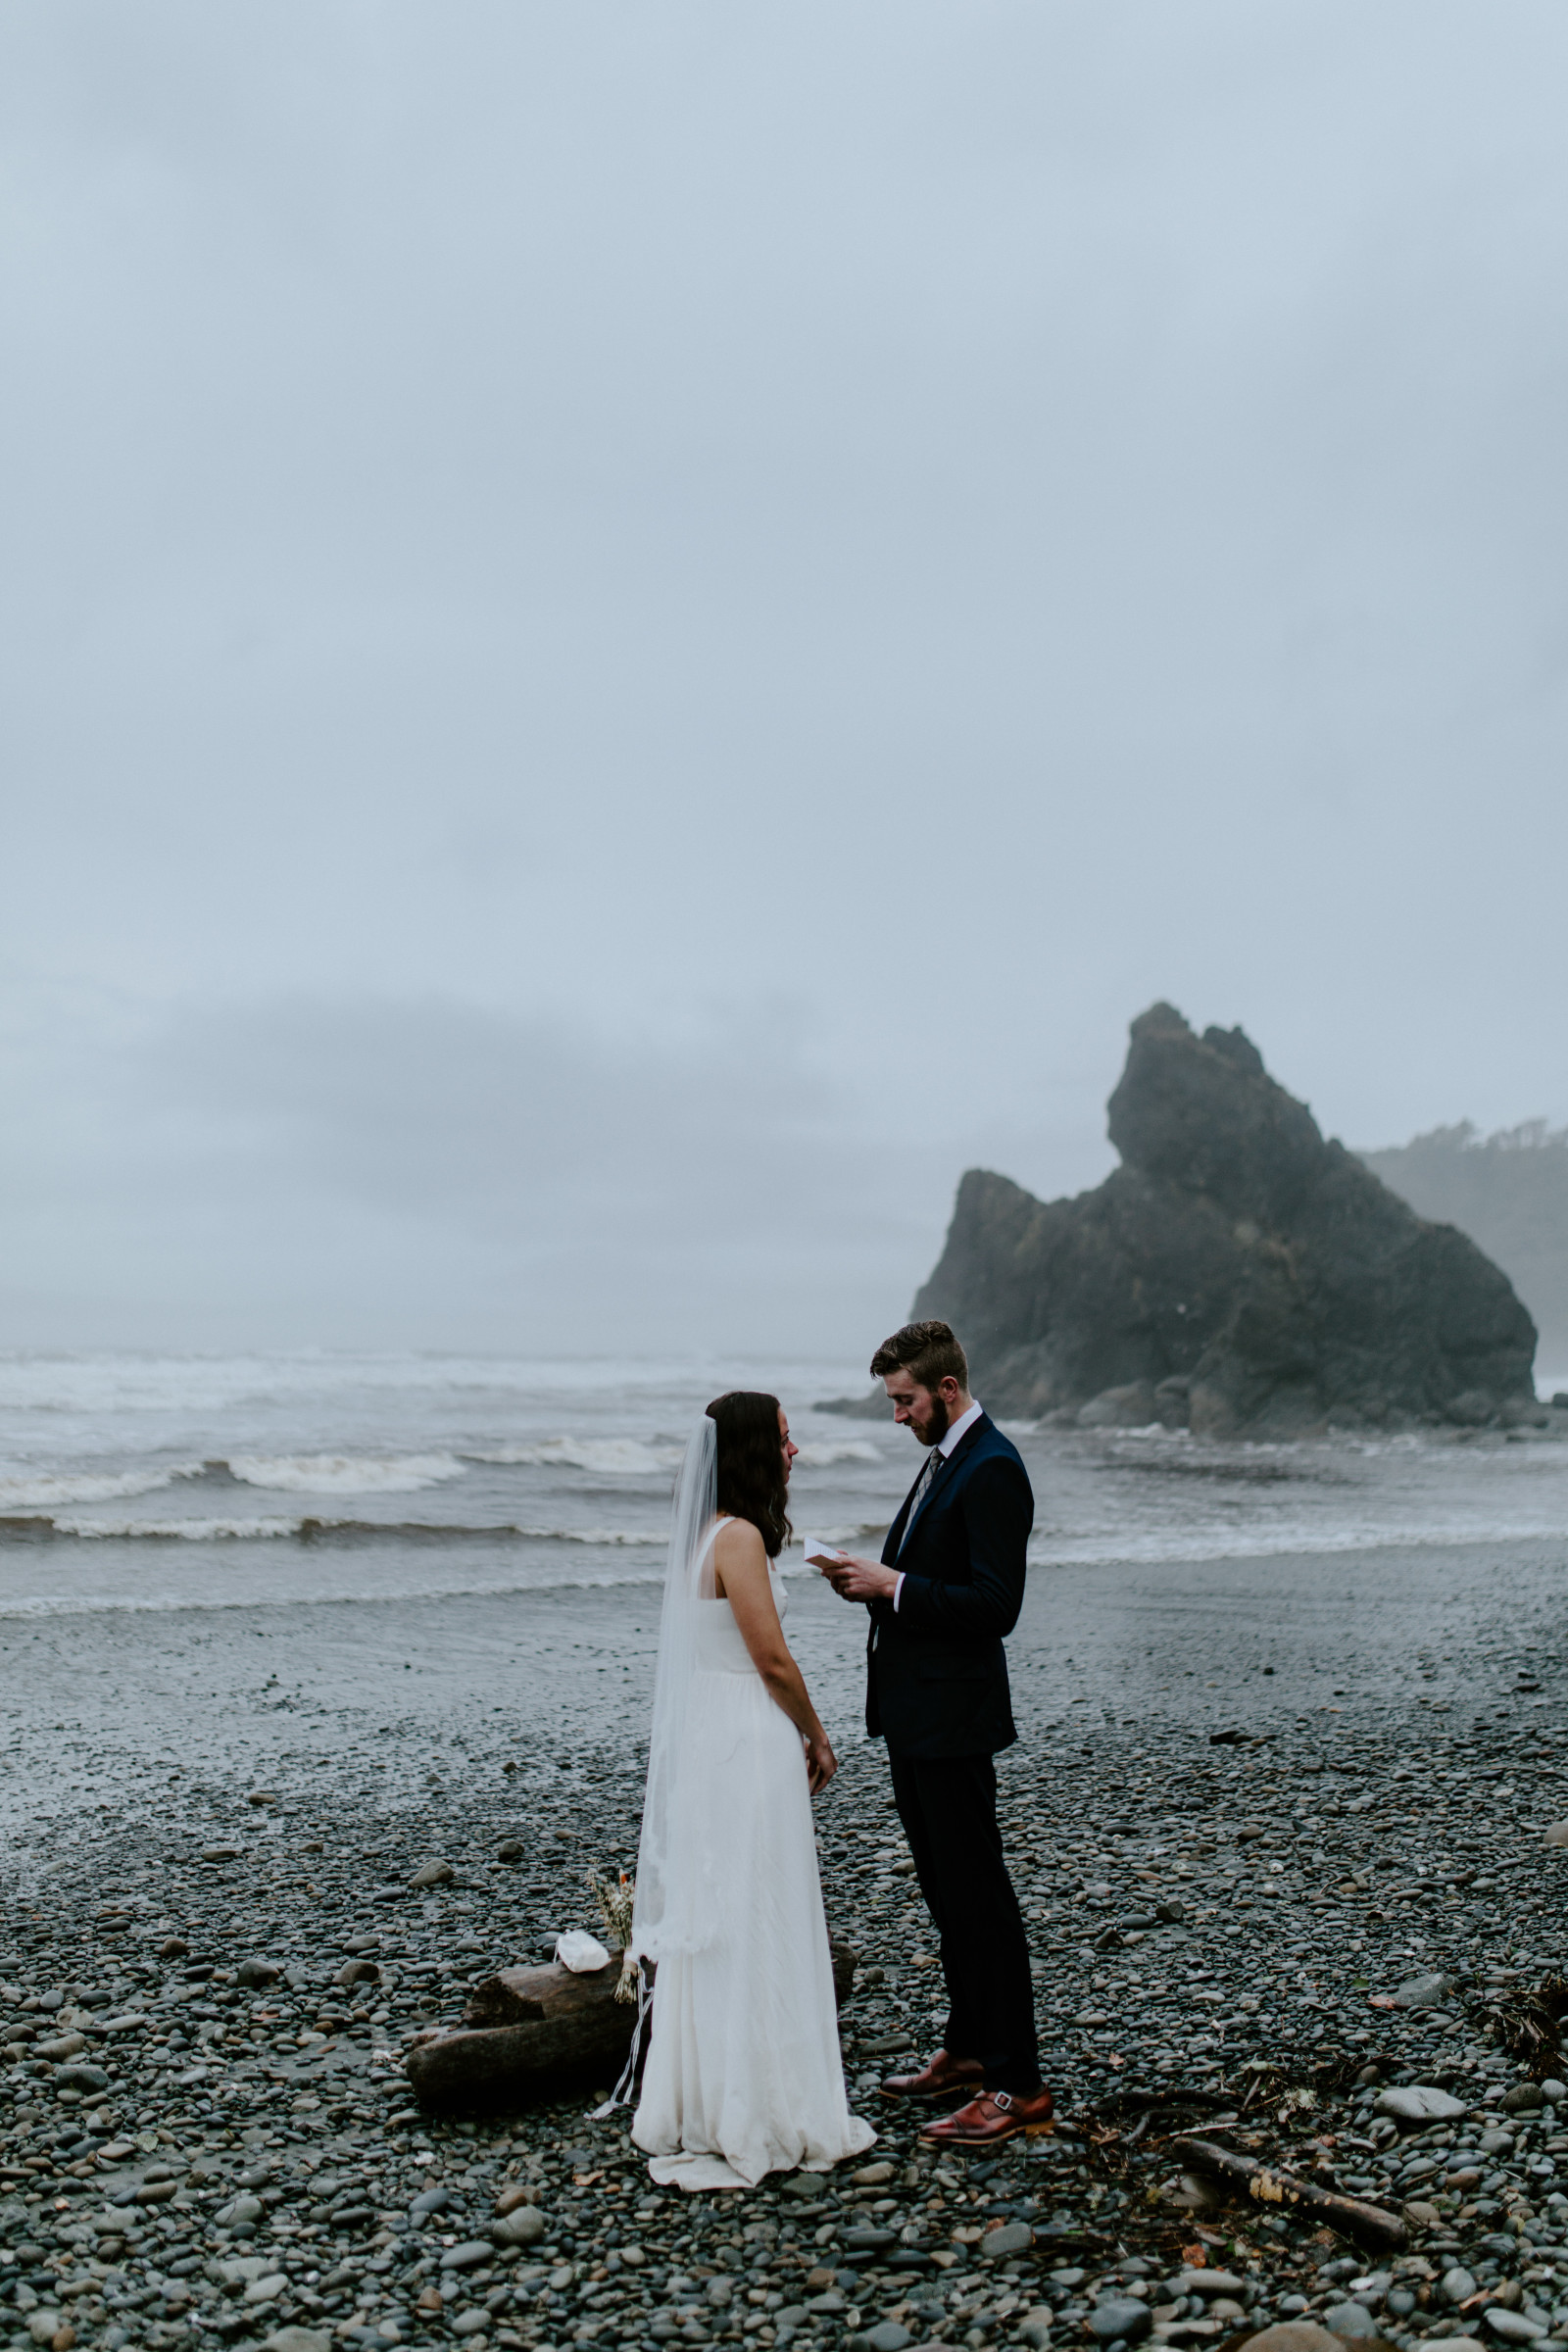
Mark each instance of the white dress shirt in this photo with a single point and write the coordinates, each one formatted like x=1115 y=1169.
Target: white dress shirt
x=956 y=1431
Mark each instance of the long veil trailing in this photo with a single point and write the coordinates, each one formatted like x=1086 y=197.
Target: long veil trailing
x=669 y=1913
x=674 y=1912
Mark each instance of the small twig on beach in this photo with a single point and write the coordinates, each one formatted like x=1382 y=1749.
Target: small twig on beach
x=1265 y=2184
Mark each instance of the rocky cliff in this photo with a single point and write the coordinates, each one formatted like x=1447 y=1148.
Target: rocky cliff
x=1236 y=1273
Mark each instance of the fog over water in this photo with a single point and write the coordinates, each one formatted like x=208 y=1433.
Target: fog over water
x=631 y=638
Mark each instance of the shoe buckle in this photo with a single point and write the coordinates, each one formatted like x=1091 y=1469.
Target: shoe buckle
x=1004 y=2100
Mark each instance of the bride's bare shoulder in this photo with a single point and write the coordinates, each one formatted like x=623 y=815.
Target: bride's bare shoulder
x=737 y=1548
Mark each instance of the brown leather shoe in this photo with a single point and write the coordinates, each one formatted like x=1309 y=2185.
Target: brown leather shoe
x=939 y=2075
x=994 y=2116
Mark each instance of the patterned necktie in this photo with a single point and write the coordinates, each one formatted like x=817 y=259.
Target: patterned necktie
x=920 y=1492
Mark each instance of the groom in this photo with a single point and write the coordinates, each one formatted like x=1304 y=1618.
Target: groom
x=949 y=1585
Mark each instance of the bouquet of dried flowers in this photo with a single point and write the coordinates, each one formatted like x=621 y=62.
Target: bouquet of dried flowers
x=617 y=1898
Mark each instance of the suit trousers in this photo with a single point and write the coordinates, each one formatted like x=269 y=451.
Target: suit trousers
x=948 y=1806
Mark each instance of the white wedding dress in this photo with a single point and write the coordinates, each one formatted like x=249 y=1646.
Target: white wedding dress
x=744 y=2075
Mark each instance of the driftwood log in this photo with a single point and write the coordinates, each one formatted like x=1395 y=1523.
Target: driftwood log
x=1365 y=2225
x=531 y=2032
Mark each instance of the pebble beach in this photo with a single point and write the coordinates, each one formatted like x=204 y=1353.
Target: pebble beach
x=1253 y=1804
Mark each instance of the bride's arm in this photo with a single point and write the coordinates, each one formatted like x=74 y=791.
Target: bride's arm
x=741 y=1562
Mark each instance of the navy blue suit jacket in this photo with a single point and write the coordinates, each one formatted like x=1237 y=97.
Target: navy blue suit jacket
x=937 y=1672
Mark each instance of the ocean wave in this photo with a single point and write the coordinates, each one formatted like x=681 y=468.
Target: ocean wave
x=251 y=1593
x=184 y=1530
x=850 y=1532
x=311 y=1527
x=43 y=1493
x=614 y=1457
x=633 y=1457
x=342 y=1473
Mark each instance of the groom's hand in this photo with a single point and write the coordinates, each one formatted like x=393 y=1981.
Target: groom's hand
x=862 y=1580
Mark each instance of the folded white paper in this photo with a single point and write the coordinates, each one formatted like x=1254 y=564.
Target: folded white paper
x=815 y=1550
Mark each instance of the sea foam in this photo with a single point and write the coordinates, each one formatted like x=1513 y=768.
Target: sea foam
x=44 y=1492
x=185 y=1530
x=344 y=1473
x=614 y=1457
x=315 y=1529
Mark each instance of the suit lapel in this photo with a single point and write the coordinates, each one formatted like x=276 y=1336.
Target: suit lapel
x=891 y=1548
x=895 y=1535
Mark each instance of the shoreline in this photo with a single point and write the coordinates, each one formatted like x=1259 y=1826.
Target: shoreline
x=1258 y=1634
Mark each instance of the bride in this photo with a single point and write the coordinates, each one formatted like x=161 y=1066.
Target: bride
x=743 y=2076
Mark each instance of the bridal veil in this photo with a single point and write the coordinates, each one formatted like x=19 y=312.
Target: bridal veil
x=679 y=1870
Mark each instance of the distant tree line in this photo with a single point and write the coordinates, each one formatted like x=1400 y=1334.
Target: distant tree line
x=1509 y=1191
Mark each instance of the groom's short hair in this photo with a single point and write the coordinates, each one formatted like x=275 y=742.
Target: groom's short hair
x=927 y=1352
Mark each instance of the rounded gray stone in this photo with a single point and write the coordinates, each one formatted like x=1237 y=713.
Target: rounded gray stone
x=1294 y=2335
x=1349 y=2321
x=1120 y=2316
x=432 y=1873
x=82 y=2076
x=1515 y=2327
x=240 y=2269
x=1419 y=2103
x=469 y=2256
x=1422 y=1993
x=524 y=2225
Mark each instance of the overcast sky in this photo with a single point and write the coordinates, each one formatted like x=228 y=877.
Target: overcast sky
x=631 y=635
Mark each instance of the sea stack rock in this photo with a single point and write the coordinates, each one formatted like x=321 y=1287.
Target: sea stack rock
x=1237 y=1273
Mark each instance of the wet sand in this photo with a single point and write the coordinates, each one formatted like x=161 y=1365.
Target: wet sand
x=1180 y=1647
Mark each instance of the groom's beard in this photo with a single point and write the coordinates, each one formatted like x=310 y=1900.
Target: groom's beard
x=936 y=1429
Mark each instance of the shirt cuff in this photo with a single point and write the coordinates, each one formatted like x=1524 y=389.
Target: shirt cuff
x=896 y=1589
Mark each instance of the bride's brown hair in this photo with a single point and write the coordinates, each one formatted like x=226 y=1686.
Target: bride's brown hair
x=751 y=1464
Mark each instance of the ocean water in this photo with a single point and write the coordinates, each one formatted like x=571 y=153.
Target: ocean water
x=148 y=1483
